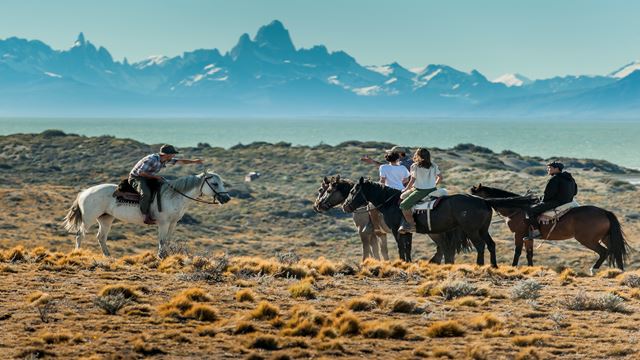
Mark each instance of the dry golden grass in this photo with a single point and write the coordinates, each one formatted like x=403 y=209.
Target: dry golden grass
x=173 y=313
x=303 y=289
x=449 y=328
x=245 y=295
x=265 y=310
x=531 y=340
x=485 y=321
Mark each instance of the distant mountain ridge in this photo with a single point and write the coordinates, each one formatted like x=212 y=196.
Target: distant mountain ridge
x=268 y=76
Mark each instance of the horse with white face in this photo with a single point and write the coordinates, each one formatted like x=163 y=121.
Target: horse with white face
x=97 y=204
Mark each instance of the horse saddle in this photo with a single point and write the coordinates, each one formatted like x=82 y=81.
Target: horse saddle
x=125 y=193
x=555 y=214
x=432 y=200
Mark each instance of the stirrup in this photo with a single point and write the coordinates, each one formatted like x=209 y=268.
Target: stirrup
x=406 y=227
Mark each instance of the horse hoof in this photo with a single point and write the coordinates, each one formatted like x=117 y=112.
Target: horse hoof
x=593 y=271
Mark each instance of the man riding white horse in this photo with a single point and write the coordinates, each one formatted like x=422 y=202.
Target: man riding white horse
x=145 y=171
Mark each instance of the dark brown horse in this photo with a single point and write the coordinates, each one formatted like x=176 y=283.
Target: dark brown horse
x=466 y=217
x=590 y=225
x=334 y=192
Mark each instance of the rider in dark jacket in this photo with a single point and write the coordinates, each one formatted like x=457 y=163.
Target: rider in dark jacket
x=560 y=189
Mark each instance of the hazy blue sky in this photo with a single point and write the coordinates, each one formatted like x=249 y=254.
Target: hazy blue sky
x=539 y=39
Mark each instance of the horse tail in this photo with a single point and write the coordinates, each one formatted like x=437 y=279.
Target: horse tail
x=73 y=220
x=456 y=240
x=616 y=241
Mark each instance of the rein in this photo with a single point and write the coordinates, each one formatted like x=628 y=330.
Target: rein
x=214 y=202
x=367 y=209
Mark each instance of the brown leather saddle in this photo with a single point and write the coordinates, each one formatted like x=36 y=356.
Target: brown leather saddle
x=125 y=193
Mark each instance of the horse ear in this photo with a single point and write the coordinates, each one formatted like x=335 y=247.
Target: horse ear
x=479 y=185
x=325 y=180
x=361 y=181
x=338 y=178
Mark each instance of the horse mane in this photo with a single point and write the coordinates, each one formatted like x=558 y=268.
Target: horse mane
x=182 y=184
x=499 y=193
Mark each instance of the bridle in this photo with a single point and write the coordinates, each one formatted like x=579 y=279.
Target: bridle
x=367 y=209
x=216 y=194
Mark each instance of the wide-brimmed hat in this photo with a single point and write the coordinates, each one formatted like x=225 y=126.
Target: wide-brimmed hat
x=398 y=149
x=168 y=150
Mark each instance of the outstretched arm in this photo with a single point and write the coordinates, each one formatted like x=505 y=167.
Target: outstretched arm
x=368 y=160
x=185 y=161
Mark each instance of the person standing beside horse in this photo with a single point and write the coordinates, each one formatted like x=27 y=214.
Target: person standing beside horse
x=425 y=175
x=561 y=189
x=144 y=172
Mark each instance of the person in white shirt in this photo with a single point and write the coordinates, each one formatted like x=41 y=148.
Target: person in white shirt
x=393 y=174
x=425 y=175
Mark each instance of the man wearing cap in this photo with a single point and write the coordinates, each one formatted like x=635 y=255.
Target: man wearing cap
x=145 y=171
x=560 y=189
x=404 y=159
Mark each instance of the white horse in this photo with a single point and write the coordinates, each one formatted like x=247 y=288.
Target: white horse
x=97 y=204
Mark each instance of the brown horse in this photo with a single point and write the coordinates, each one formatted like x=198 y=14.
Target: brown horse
x=590 y=225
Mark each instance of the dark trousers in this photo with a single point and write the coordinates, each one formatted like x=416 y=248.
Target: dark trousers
x=144 y=188
x=537 y=209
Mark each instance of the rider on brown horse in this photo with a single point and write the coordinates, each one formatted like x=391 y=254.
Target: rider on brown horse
x=560 y=189
x=145 y=171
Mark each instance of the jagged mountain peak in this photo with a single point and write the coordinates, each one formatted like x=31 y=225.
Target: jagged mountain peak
x=274 y=36
x=80 y=41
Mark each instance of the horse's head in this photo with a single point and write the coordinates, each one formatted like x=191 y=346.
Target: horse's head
x=331 y=193
x=356 y=198
x=212 y=185
x=479 y=190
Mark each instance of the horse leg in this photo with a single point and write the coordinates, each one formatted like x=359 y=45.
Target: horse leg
x=491 y=246
x=400 y=242
x=373 y=244
x=518 y=239
x=163 y=232
x=594 y=244
x=528 y=244
x=365 y=238
x=479 y=244
x=80 y=236
x=104 y=223
x=408 y=240
x=382 y=239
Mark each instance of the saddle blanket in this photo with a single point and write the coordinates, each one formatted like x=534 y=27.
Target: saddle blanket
x=432 y=200
x=555 y=214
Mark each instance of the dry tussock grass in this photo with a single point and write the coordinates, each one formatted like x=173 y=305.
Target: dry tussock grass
x=245 y=295
x=189 y=305
x=303 y=289
x=531 y=340
x=384 y=330
x=457 y=298
x=265 y=310
x=485 y=321
x=448 y=328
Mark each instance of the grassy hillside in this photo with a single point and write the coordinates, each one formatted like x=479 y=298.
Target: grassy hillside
x=264 y=277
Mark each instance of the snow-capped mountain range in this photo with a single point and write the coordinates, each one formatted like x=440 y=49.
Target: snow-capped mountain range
x=267 y=75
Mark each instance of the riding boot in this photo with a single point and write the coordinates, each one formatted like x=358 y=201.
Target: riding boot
x=408 y=223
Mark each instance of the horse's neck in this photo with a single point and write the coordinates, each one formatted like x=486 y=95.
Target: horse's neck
x=375 y=194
